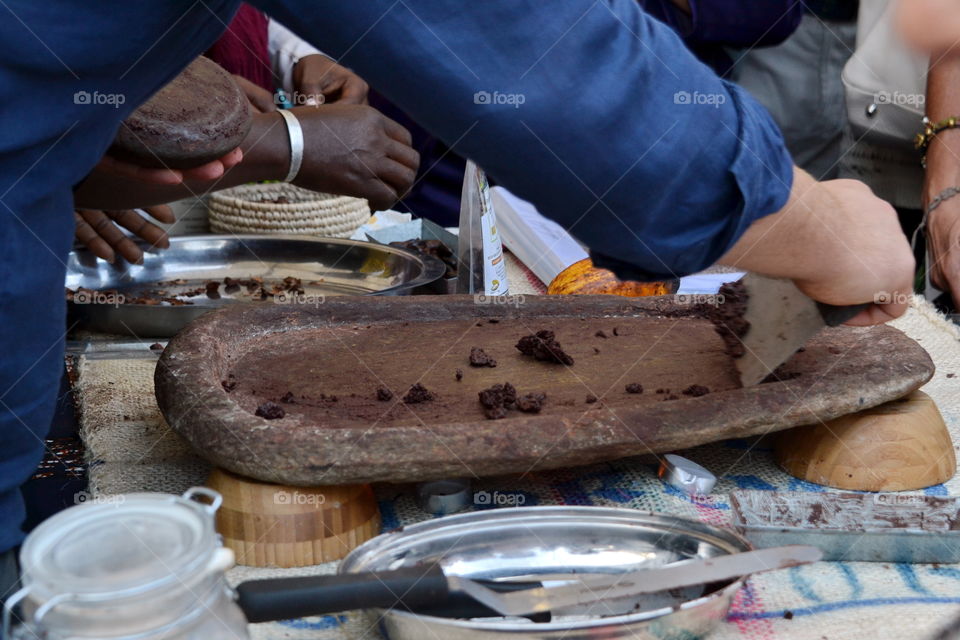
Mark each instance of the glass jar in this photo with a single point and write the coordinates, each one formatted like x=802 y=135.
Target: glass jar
x=144 y=566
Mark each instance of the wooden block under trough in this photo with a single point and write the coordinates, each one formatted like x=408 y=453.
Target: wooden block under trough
x=898 y=446
x=271 y=525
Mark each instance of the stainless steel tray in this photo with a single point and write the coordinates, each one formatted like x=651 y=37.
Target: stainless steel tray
x=325 y=266
x=864 y=527
x=524 y=543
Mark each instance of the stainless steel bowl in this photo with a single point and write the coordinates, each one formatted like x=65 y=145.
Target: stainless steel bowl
x=345 y=267
x=527 y=542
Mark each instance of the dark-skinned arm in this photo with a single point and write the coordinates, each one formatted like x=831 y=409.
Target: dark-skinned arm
x=349 y=150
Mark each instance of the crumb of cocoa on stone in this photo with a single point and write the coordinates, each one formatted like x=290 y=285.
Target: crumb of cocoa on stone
x=951 y=375
x=544 y=346
x=727 y=317
x=156 y=346
x=417 y=394
x=479 y=358
x=696 y=390
x=384 y=394
x=591 y=399
x=270 y=411
x=595 y=350
x=288 y=398
x=493 y=320
x=601 y=334
x=493 y=402
x=616 y=331
x=500 y=397
x=229 y=384
x=634 y=387
x=531 y=402
x=662 y=391
x=834 y=350
x=672 y=396
x=458 y=374
x=788 y=615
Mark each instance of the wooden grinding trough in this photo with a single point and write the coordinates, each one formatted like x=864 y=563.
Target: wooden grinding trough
x=332 y=358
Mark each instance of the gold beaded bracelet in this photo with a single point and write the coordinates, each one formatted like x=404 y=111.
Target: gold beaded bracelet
x=930 y=131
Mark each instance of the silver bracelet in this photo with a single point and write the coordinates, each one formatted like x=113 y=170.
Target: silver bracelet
x=946 y=194
x=943 y=196
x=295 y=133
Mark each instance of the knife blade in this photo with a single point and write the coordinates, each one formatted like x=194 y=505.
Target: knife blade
x=781 y=320
x=645 y=581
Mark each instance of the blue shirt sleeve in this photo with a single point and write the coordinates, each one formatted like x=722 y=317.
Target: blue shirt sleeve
x=596 y=112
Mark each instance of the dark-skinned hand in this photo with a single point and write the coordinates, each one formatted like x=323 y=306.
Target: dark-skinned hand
x=320 y=78
x=355 y=150
x=98 y=231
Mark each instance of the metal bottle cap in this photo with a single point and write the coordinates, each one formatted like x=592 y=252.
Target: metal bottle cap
x=441 y=497
x=686 y=475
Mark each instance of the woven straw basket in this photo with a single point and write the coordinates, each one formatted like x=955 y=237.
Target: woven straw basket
x=251 y=208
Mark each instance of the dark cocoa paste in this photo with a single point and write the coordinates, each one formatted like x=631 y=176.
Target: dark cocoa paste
x=417 y=394
x=696 y=390
x=634 y=387
x=270 y=411
x=727 y=317
x=384 y=394
x=433 y=248
x=497 y=399
x=479 y=358
x=544 y=346
x=591 y=399
x=197 y=117
x=229 y=384
x=458 y=374
x=531 y=402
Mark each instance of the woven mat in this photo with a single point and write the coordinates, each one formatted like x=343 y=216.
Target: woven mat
x=130 y=448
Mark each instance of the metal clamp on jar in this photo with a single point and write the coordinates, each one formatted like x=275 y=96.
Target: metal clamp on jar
x=141 y=566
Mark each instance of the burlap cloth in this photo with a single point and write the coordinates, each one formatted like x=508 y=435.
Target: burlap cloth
x=130 y=448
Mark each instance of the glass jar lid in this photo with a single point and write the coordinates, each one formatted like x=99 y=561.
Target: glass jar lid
x=121 y=546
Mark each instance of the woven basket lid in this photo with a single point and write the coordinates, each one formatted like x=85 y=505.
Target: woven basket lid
x=253 y=208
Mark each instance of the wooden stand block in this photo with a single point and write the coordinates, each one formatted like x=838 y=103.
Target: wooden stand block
x=271 y=525
x=898 y=446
